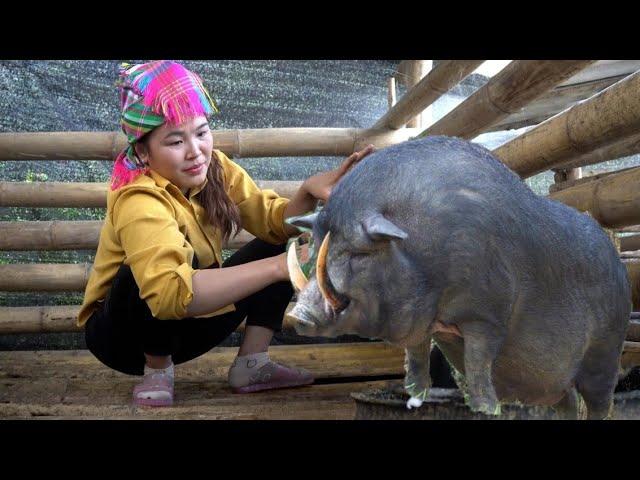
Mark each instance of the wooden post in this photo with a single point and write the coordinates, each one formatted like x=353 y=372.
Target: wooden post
x=505 y=93
x=436 y=83
x=391 y=93
x=610 y=115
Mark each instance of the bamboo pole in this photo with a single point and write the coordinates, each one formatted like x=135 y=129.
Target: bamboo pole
x=62 y=319
x=555 y=101
x=614 y=201
x=68 y=194
x=610 y=115
x=44 y=277
x=267 y=142
x=436 y=83
x=68 y=235
x=416 y=70
x=519 y=83
x=556 y=187
x=625 y=147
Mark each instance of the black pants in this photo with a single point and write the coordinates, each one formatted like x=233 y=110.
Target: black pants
x=123 y=329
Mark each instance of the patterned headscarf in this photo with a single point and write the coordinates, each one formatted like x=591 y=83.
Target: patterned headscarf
x=152 y=94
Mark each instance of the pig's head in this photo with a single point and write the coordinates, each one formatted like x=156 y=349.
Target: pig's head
x=360 y=281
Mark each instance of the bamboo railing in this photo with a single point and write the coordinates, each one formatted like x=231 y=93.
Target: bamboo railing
x=610 y=115
x=442 y=78
x=519 y=83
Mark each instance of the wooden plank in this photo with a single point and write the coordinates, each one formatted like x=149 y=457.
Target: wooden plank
x=210 y=400
x=331 y=360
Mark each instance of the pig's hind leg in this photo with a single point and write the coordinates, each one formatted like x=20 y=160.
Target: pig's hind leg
x=597 y=379
x=417 y=380
x=482 y=341
x=571 y=407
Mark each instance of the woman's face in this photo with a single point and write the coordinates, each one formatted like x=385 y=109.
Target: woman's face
x=180 y=153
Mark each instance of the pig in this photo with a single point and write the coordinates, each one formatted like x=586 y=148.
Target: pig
x=436 y=239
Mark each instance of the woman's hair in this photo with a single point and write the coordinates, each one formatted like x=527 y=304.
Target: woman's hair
x=220 y=209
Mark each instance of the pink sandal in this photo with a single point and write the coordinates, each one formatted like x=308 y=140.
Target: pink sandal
x=156 y=390
x=273 y=375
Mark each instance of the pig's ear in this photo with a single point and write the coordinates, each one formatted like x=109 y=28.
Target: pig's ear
x=379 y=228
x=304 y=222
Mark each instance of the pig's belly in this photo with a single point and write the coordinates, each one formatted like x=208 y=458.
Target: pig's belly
x=516 y=377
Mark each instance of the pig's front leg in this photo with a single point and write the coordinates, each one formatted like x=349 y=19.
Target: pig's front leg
x=482 y=342
x=417 y=379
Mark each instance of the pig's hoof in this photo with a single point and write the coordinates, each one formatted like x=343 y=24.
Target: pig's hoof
x=414 y=402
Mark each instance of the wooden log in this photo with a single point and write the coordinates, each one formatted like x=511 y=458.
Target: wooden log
x=606 y=117
x=505 y=93
x=68 y=194
x=630 y=243
x=69 y=235
x=614 y=201
x=436 y=83
x=267 y=142
x=61 y=319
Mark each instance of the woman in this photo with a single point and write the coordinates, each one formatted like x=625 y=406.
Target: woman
x=159 y=293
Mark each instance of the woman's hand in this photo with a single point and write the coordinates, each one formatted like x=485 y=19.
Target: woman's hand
x=320 y=185
x=281 y=261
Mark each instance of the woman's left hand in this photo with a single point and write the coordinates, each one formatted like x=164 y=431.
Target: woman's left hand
x=321 y=184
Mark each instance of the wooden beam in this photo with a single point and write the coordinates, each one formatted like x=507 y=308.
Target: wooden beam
x=68 y=194
x=505 y=93
x=606 y=117
x=614 y=201
x=61 y=319
x=391 y=92
x=267 y=142
x=68 y=235
x=436 y=83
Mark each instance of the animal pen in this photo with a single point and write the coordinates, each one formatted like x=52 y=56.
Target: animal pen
x=581 y=113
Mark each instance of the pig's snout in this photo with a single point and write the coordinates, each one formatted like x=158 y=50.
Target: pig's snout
x=302 y=320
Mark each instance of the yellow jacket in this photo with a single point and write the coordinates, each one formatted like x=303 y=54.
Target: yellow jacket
x=155 y=230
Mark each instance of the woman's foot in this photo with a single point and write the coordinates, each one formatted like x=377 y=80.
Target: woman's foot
x=256 y=372
x=156 y=389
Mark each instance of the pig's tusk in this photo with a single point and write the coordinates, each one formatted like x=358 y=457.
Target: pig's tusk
x=324 y=283
x=298 y=279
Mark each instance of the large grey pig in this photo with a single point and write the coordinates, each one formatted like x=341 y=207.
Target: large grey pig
x=436 y=239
